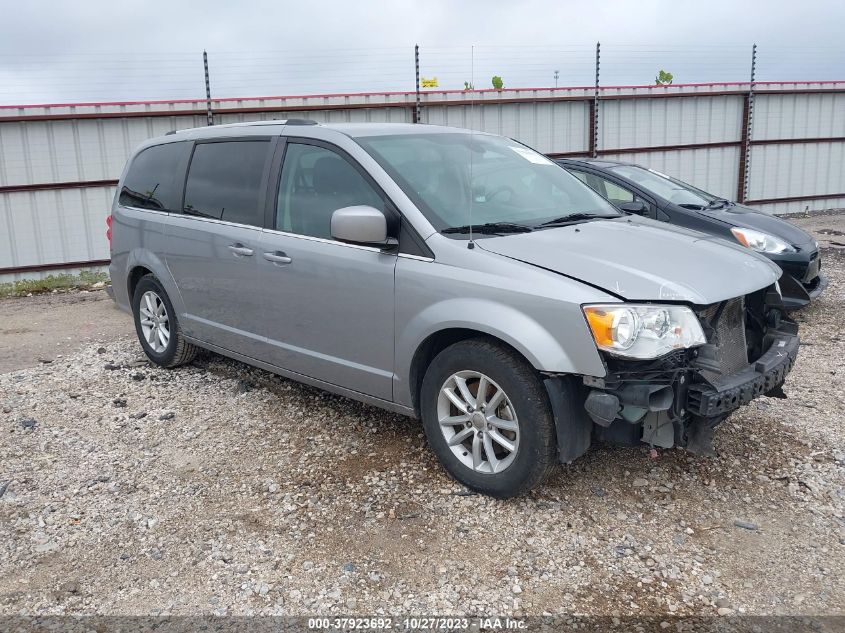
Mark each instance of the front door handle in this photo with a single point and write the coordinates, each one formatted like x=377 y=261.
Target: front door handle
x=239 y=249
x=277 y=257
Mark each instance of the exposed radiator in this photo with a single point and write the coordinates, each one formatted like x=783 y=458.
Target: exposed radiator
x=726 y=335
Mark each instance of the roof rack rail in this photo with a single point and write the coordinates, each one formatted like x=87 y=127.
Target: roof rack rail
x=170 y=132
x=300 y=122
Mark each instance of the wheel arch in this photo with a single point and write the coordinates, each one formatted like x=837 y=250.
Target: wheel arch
x=135 y=275
x=439 y=340
x=143 y=262
x=457 y=318
x=573 y=426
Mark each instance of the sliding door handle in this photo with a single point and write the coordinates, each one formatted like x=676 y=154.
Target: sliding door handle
x=277 y=257
x=239 y=249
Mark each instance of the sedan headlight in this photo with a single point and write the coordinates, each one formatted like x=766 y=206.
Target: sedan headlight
x=643 y=331
x=761 y=242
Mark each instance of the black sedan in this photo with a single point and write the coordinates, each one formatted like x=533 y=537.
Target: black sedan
x=636 y=189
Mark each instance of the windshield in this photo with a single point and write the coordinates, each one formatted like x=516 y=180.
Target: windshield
x=667 y=188
x=506 y=182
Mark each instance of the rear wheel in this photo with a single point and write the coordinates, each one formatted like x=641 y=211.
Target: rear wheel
x=157 y=326
x=487 y=418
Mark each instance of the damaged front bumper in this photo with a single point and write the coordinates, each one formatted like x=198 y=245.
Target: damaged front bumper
x=802 y=280
x=678 y=399
x=798 y=294
x=764 y=376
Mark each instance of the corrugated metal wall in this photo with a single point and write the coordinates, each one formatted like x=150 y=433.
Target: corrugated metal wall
x=69 y=150
x=58 y=225
x=58 y=163
x=546 y=126
x=669 y=121
x=781 y=116
x=811 y=165
x=803 y=169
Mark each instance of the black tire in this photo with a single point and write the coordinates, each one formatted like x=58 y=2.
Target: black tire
x=177 y=351
x=536 y=452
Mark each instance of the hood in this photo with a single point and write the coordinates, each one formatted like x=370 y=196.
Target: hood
x=638 y=259
x=746 y=217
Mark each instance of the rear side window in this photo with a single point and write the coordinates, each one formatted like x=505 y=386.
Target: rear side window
x=152 y=181
x=617 y=194
x=608 y=189
x=224 y=181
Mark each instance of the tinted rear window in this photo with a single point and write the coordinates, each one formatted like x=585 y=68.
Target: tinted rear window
x=152 y=181
x=224 y=181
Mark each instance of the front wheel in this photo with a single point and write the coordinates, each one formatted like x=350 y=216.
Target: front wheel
x=157 y=326
x=488 y=419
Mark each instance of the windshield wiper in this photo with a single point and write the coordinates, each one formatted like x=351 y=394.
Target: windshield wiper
x=490 y=228
x=577 y=217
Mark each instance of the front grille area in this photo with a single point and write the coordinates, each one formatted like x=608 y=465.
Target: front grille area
x=803 y=271
x=724 y=325
x=813 y=269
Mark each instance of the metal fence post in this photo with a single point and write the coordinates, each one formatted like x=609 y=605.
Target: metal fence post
x=750 y=128
x=208 y=112
x=594 y=108
x=746 y=134
x=417 y=66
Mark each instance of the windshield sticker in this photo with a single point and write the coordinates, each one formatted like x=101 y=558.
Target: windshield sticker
x=531 y=155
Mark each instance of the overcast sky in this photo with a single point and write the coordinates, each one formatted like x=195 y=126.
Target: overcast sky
x=114 y=50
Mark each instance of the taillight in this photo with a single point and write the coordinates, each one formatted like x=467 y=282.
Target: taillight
x=108 y=230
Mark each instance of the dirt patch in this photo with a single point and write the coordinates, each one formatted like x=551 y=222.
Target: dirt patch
x=45 y=328
x=827 y=228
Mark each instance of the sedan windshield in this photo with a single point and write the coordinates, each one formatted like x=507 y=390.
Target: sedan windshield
x=670 y=189
x=498 y=181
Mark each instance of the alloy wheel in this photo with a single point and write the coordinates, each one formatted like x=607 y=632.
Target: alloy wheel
x=155 y=324
x=478 y=421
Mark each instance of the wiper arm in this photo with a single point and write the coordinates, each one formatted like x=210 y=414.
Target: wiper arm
x=577 y=217
x=719 y=203
x=490 y=228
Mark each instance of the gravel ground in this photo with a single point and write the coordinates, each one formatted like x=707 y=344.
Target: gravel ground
x=222 y=489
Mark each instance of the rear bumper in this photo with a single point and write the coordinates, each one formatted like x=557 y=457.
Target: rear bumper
x=723 y=395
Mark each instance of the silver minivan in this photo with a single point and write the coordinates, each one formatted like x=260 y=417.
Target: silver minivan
x=452 y=275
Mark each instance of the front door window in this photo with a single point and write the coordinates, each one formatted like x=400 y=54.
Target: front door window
x=315 y=183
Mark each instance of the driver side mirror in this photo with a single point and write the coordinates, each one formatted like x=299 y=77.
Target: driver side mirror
x=636 y=207
x=361 y=225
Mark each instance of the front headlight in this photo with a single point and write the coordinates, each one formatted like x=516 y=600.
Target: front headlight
x=761 y=242
x=643 y=331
